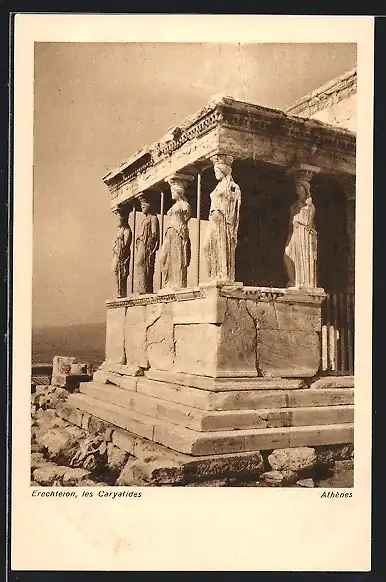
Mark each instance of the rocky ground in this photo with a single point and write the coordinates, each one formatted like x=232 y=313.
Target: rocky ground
x=65 y=455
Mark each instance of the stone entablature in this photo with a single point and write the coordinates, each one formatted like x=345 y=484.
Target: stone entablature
x=326 y=96
x=240 y=129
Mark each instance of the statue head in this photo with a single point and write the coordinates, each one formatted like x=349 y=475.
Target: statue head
x=177 y=190
x=145 y=204
x=222 y=165
x=303 y=190
x=122 y=215
x=178 y=183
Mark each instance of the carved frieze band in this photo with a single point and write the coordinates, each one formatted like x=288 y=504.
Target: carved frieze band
x=254 y=119
x=159 y=298
x=252 y=293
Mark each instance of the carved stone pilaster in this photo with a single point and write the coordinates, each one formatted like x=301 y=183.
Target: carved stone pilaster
x=121 y=251
x=176 y=248
x=300 y=255
x=221 y=238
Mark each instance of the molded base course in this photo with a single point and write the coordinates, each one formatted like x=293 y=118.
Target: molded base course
x=196 y=443
x=224 y=384
x=244 y=399
x=204 y=420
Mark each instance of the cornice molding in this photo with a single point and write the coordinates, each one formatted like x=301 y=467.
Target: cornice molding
x=227 y=112
x=325 y=96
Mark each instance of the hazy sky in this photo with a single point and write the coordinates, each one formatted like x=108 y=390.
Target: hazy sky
x=95 y=105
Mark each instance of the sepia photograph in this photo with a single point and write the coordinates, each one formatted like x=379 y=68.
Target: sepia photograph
x=212 y=342
x=192 y=291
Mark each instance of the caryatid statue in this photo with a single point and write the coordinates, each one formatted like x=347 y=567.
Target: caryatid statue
x=176 y=247
x=300 y=255
x=121 y=252
x=146 y=245
x=221 y=238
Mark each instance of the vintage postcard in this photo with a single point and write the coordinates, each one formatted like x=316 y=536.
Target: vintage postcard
x=192 y=271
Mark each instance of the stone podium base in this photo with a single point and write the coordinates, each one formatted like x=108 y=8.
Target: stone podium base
x=197 y=421
x=218 y=331
x=215 y=371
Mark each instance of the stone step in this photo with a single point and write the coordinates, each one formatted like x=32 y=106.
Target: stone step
x=202 y=420
x=320 y=397
x=244 y=399
x=197 y=443
x=330 y=382
x=126 y=382
x=224 y=384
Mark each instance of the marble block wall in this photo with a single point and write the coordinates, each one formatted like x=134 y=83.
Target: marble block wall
x=219 y=331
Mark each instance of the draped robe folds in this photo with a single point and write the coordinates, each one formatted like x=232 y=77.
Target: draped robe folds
x=121 y=258
x=302 y=246
x=221 y=239
x=146 y=246
x=176 y=249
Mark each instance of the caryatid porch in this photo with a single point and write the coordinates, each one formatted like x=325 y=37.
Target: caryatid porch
x=211 y=344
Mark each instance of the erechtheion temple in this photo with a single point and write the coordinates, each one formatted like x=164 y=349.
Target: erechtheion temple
x=231 y=329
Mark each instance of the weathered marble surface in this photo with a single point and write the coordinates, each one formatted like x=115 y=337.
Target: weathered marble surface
x=225 y=384
x=175 y=252
x=207 y=310
x=300 y=255
x=221 y=331
x=159 y=336
x=62 y=364
x=115 y=335
x=146 y=245
x=330 y=382
x=289 y=354
x=239 y=344
x=121 y=252
x=221 y=236
x=196 y=348
x=135 y=337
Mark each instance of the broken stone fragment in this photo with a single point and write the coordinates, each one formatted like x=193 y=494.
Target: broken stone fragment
x=62 y=365
x=70 y=381
x=87 y=454
x=328 y=455
x=292 y=459
x=129 y=477
x=75 y=476
x=48 y=396
x=43 y=417
x=58 y=442
x=160 y=471
x=289 y=477
x=305 y=483
x=49 y=474
x=116 y=457
x=273 y=478
x=79 y=368
x=37 y=460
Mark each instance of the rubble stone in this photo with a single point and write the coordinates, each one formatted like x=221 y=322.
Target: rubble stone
x=116 y=457
x=37 y=460
x=49 y=474
x=273 y=478
x=62 y=364
x=58 y=442
x=75 y=476
x=292 y=459
x=305 y=483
